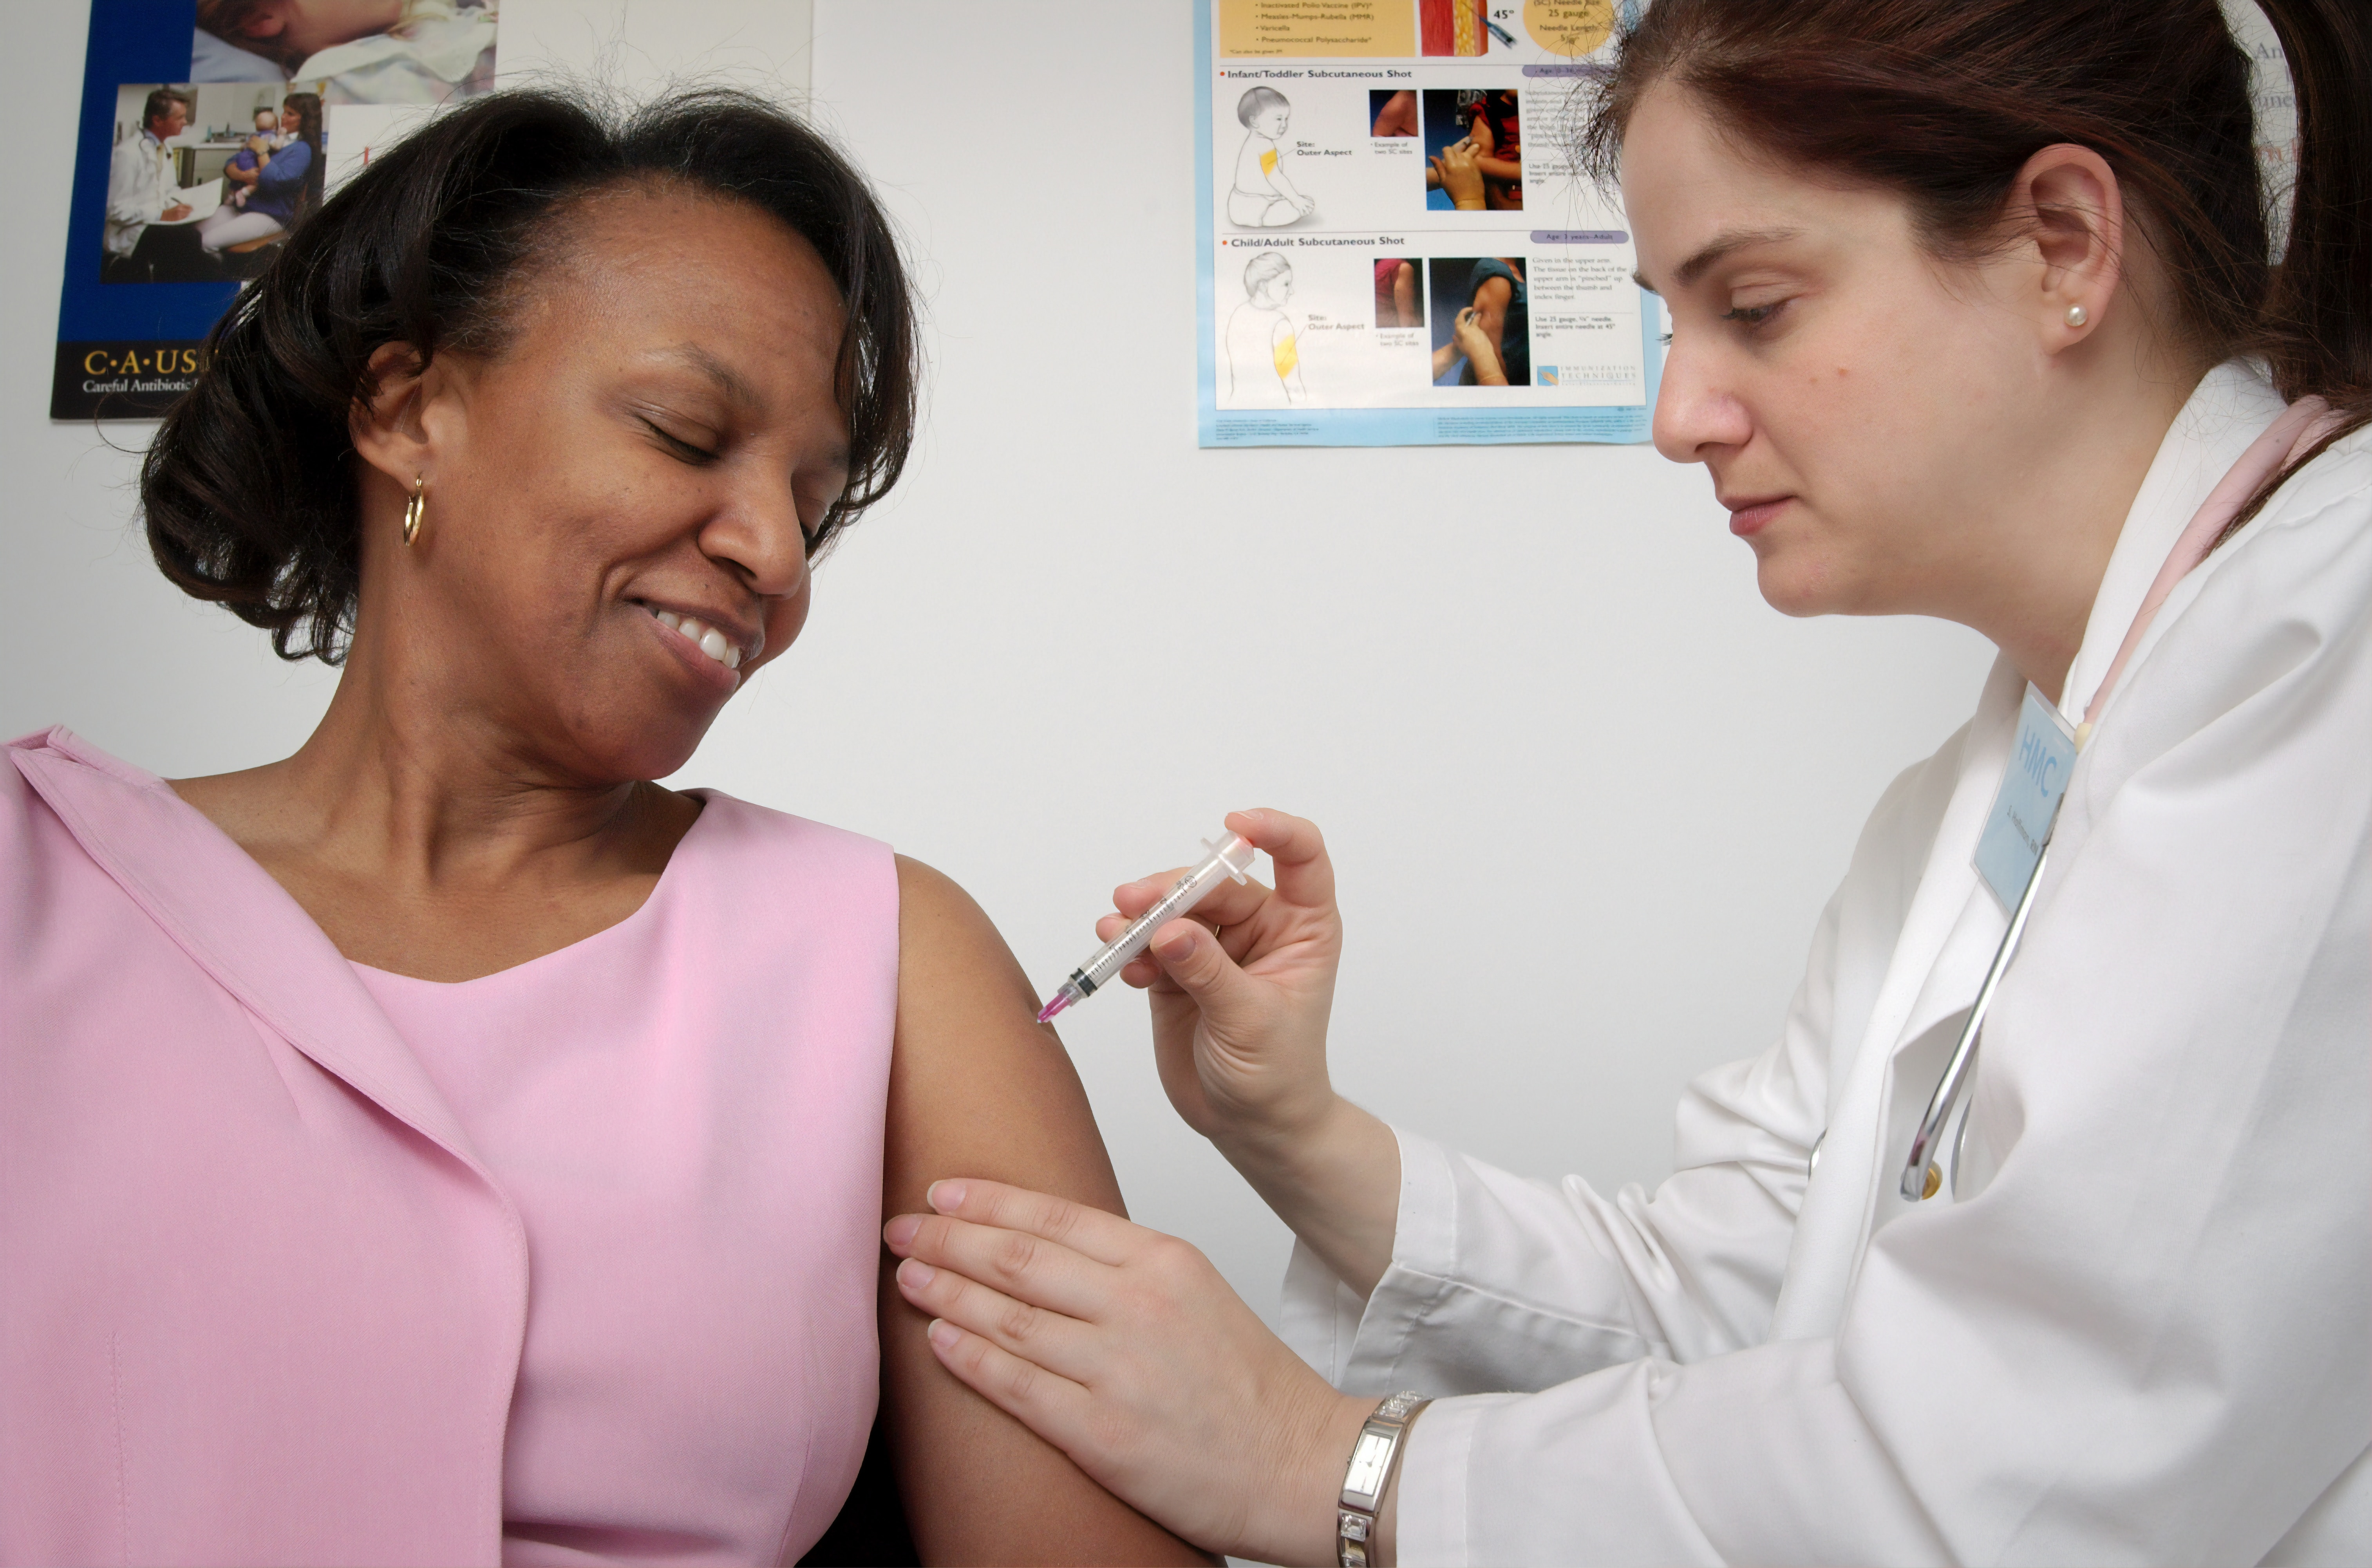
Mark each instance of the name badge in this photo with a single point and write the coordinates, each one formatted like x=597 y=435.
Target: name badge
x=2019 y=824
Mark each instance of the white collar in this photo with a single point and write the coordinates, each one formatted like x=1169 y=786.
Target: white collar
x=2229 y=409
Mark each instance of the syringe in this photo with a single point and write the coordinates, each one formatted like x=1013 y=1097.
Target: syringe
x=1232 y=856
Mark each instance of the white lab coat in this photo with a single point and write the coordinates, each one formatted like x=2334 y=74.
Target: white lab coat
x=139 y=188
x=2141 y=1330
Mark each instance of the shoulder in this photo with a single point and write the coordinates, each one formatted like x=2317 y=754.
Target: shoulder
x=2335 y=488
x=743 y=826
x=65 y=801
x=2286 y=607
x=947 y=943
x=2255 y=700
x=760 y=858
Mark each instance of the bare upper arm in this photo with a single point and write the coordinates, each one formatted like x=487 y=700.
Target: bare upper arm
x=978 y=1088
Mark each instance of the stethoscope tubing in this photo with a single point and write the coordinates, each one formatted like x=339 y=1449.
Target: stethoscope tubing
x=1918 y=1169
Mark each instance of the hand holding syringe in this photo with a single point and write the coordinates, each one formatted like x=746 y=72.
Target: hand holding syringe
x=1231 y=857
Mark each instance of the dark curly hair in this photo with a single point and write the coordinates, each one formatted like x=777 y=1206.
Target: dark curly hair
x=249 y=487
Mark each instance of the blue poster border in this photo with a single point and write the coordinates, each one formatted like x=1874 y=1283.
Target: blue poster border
x=145 y=333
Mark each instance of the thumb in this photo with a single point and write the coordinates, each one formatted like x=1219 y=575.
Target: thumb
x=1192 y=958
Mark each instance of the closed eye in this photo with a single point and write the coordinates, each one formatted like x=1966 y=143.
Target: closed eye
x=1752 y=314
x=678 y=446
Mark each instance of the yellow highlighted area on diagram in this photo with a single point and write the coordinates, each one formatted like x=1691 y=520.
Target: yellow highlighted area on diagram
x=1250 y=30
x=1288 y=356
x=1570 y=28
x=1268 y=161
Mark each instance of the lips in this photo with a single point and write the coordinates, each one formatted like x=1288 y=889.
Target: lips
x=1750 y=516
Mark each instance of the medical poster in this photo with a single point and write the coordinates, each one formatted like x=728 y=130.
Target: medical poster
x=207 y=128
x=1396 y=248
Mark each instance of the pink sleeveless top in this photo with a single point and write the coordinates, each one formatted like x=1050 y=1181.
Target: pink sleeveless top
x=686 y=1110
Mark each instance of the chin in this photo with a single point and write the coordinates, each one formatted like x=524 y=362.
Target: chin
x=1795 y=588
x=627 y=743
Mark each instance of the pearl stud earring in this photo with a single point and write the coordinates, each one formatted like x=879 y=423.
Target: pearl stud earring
x=2078 y=315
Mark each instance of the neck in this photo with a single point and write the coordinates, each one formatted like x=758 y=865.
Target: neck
x=408 y=784
x=2027 y=581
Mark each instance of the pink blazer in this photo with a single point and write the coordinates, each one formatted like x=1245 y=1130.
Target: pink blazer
x=259 y=1300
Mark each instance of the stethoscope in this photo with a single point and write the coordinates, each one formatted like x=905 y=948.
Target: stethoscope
x=1923 y=1176
x=2297 y=430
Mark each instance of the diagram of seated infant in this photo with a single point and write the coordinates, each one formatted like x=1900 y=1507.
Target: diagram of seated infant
x=1264 y=344
x=1263 y=195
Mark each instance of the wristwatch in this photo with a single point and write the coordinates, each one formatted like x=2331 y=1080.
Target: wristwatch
x=1374 y=1458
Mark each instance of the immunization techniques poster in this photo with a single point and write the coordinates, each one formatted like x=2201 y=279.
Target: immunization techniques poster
x=1396 y=249
x=208 y=128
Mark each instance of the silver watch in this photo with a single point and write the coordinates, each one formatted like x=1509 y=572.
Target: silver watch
x=1374 y=1458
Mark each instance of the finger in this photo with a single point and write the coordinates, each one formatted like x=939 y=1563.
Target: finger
x=1199 y=965
x=1048 y=1404
x=1091 y=1233
x=1060 y=1345
x=1133 y=899
x=1296 y=853
x=1028 y=1268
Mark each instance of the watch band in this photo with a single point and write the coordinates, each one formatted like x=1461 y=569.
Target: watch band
x=1375 y=1458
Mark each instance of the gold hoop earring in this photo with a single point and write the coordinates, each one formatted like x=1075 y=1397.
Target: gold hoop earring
x=415 y=509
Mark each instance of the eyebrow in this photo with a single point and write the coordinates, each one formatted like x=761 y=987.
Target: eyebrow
x=1721 y=245
x=727 y=379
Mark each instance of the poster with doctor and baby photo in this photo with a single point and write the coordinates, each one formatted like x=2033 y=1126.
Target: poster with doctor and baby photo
x=208 y=128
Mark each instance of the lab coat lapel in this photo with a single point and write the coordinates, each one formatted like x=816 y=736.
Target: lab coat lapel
x=1943 y=928
x=238 y=924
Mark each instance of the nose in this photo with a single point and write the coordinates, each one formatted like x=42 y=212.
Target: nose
x=1695 y=415
x=758 y=535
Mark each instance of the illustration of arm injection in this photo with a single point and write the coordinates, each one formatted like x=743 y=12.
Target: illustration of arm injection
x=1231 y=856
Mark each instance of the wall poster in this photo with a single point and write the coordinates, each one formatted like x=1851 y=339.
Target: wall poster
x=1395 y=248
x=207 y=128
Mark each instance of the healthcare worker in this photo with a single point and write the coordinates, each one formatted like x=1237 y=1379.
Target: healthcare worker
x=1972 y=318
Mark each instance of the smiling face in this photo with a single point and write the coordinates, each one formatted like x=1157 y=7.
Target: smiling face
x=618 y=501
x=1865 y=411
x=1271 y=122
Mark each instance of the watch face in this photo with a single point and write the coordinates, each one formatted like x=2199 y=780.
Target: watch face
x=1366 y=1477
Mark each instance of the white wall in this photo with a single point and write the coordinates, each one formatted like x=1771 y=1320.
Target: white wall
x=1588 y=794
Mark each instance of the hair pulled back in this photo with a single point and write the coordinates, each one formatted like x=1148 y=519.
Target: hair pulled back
x=1945 y=102
x=250 y=488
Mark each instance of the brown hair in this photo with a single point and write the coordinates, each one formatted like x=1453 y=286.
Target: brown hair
x=308 y=109
x=159 y=104
x=1945 y=103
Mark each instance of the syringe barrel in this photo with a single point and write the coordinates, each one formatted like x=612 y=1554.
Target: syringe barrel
x=1230 y=858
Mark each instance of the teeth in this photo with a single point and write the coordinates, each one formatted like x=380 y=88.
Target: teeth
x=701 y=636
